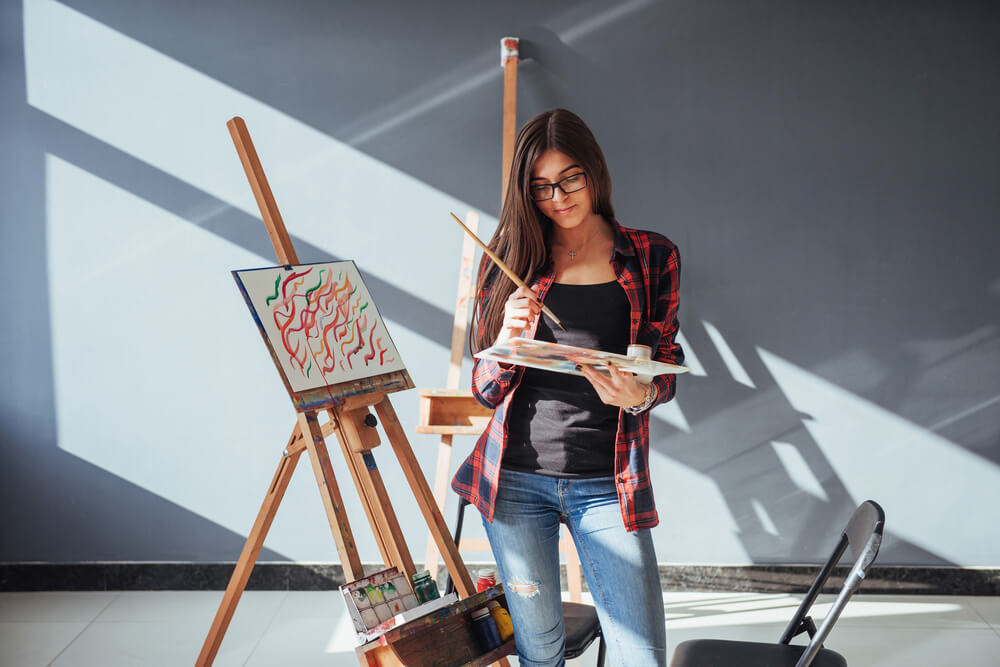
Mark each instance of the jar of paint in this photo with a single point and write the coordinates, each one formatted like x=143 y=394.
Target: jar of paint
x=424 y=587
x=505 y=627
x=484 y=629
x=487 y=578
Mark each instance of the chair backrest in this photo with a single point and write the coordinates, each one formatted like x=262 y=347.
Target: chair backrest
x=863 y=535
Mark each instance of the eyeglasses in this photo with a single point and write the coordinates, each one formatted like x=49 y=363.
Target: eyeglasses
x=546 y=191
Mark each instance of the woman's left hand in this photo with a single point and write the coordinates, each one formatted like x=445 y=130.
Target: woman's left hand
x=617 y=388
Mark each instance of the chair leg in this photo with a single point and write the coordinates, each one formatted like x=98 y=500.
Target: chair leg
x=601 y=648
x=449 y=585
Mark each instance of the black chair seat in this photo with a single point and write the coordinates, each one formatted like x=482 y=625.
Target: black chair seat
x=722 y=653
x=582 y=627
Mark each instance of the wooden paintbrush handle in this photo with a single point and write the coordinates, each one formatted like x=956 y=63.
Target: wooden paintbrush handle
x=503 y=267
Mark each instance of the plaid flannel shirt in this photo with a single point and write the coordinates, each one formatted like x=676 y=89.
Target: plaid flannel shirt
x=648 y=267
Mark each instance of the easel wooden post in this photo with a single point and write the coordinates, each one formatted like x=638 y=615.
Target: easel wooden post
x=509 y=57
x=353 y=424
x=448 y=431
x=452 y=411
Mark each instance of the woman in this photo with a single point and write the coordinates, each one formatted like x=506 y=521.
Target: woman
x=563 y=448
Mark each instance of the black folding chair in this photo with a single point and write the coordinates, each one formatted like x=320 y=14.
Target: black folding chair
x=580 y=620
x=863 y=535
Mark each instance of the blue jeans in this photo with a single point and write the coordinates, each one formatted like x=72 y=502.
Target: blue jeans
x=620 y=568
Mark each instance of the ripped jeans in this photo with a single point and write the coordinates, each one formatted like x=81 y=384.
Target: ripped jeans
x=620 y=568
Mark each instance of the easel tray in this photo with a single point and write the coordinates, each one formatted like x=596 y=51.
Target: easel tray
x=440 y=639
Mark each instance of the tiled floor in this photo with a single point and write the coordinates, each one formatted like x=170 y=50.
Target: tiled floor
x=311 y=628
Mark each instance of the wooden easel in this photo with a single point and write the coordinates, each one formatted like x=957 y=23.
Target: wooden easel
x=354 y=425
x=453 y=411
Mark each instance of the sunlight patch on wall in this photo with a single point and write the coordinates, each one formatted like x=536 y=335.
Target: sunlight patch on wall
x=690 y=358
x=173 y=117
x=798 y=470
x=941 y=505
x=766 y=522
x=729 y=358
x=160 y=374
x=174 y=436
x=671 y=413
x=696 y=525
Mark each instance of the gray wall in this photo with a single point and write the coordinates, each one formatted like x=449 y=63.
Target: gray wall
x=829 y=171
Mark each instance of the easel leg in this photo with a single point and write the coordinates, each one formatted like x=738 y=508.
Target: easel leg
x=375 y=499
x=330 y=492
x=425 y=499
x=251 y=550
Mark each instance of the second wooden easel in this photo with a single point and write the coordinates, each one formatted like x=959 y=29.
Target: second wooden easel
x=353 y=423
x=452 y=411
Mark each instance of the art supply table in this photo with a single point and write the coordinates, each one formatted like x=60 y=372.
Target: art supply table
x=443 y=638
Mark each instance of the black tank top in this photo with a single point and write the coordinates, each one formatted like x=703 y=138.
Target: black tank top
x=558 y=426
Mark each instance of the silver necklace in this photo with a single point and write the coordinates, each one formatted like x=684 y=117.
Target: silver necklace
x=574 y=253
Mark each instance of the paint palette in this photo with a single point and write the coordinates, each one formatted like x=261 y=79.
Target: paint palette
x=377 y=598
x=565 y=358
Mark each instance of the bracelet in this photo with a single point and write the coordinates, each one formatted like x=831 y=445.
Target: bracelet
x=645 y=405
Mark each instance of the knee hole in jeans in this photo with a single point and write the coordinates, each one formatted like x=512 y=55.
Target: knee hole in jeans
x=523 y=588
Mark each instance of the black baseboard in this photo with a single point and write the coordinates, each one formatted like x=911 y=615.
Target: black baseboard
x=887 y=579
x=150 y=576
x=147 y=576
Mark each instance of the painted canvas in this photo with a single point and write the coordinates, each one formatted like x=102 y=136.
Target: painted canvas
x=565 y=358
x=320 y=323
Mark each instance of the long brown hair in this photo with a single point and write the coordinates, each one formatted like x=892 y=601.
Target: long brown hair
x=523 y=234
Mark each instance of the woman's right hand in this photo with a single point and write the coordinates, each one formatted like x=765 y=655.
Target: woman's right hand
x=519 y=312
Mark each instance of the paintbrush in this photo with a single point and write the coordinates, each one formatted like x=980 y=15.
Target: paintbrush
x=503 y=267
